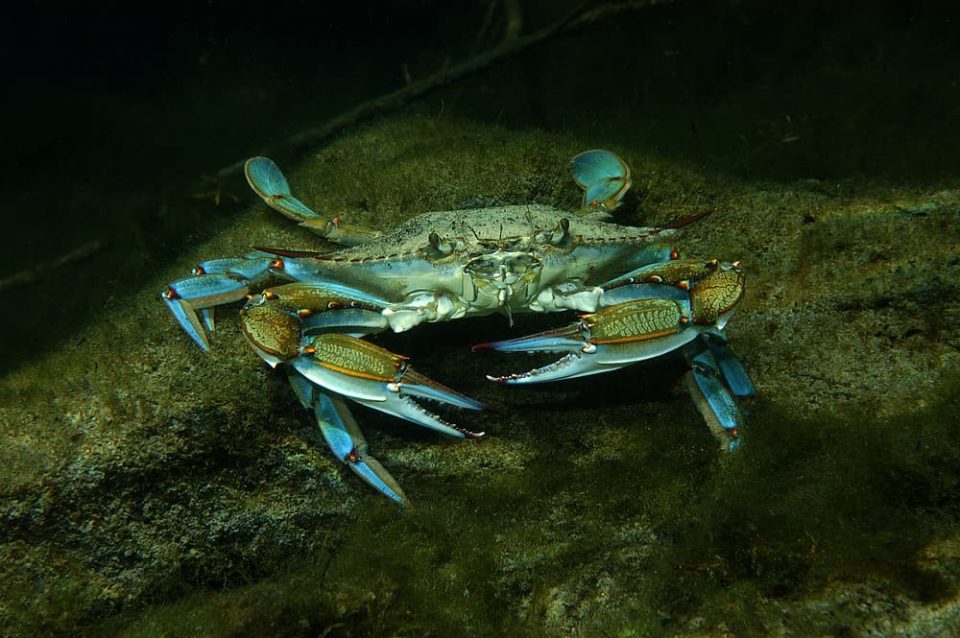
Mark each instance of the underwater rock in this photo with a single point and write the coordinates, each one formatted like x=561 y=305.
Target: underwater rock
x=147 y=483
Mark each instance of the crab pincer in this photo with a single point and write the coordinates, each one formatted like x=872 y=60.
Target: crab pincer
x=606 y=340
x=678 y=306
x=379 y=379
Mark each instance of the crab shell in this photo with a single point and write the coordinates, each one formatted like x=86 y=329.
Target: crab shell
x=504 y=259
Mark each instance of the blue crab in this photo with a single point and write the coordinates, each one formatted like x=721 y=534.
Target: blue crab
x=635 y=299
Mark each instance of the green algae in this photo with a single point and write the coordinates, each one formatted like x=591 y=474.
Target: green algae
x=629 y=546
x=178 y=492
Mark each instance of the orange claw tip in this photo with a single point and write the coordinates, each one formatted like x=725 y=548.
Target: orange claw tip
x=199 y=270
x=303 y=313
x=309 y=350
x=481 y=346
x=674 y=254
x=170 y=293
x=276 y=264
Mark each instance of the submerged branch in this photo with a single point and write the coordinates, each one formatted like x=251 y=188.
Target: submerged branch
x=510 y=45
x=38 y=272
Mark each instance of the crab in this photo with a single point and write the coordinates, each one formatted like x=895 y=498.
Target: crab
x=634 y=297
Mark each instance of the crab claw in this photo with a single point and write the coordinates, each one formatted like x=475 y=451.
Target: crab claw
x=714 y=400
x=343 y=435
x=379 y=379
x=606 y=340
x=187 y=296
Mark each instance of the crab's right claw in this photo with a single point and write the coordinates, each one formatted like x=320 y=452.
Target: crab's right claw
x=604 y=178
x=379 y=379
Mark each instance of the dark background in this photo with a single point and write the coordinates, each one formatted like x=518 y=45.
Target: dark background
x=117 y=118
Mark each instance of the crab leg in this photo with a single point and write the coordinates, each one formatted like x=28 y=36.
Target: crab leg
x=713 y=399
x=728 y=366
x=267 y=180
x=343 y=435
x=315 y=328
x=720 y=387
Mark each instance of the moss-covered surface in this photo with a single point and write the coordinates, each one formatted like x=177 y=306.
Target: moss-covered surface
x=191 y=494
x=150 y=489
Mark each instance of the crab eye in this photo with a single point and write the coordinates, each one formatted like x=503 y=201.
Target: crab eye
x=438 y=245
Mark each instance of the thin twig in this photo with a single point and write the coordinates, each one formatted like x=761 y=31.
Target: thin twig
x=35 y=273
x=508 y=46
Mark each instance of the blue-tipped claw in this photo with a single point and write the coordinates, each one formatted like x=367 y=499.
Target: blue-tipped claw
x=267 y=181
x=714 y=400
x=604 y=178
x=187 y=296
x=391 y=395
x=343 y=435
x=415 y=384
x=730 y=368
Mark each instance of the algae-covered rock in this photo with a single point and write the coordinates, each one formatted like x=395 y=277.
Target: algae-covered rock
x=150 y=488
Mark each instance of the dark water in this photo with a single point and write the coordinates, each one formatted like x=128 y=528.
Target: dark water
x=117 y=123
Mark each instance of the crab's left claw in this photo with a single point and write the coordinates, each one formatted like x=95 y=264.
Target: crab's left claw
x=379 y=379
x=682 y=305
x=606 y=340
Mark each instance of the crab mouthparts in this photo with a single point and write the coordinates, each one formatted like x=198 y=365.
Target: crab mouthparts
x=503 y=300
